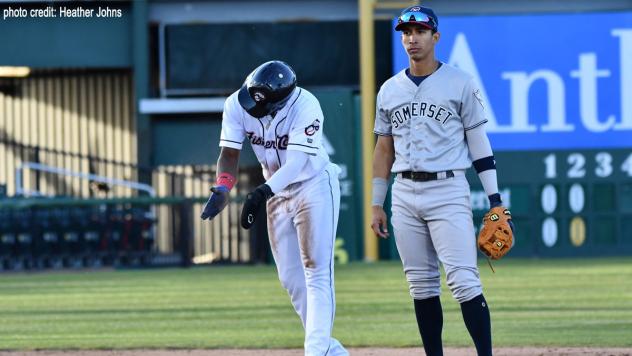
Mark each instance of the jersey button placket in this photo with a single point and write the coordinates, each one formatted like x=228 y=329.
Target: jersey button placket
x=270 y=136
x=264 y=137
x=416 y=136
x=410 y=155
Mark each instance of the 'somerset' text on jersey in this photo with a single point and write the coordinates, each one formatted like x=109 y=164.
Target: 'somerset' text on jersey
x=420 y=109
x=428 y=122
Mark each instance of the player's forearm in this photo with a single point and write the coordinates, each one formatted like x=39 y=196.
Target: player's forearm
x=382 y=167
x=294 y=163
x=483 y=159
x=489 y=181
x=383 y=157
x=228 y=162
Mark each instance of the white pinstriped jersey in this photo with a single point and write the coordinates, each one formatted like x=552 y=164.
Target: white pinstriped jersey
x=428 y=122
x=297 y=126
x=302 y=218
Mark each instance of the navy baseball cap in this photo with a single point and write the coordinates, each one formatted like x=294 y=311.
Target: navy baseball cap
x=418 y=15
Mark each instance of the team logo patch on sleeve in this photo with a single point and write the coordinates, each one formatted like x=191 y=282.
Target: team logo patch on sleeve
x=478 y=96
x=311 y=129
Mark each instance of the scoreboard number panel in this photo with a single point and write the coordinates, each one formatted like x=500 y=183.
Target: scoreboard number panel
x=572 y=203
x=604 y=165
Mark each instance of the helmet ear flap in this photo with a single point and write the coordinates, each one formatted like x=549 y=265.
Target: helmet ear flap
x=247 y=102
x=267 y=88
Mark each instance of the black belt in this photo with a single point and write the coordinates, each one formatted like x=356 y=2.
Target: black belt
x=426 y=176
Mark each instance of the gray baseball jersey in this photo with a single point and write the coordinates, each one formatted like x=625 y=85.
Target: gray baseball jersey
x=432 y=220
x=428 y=122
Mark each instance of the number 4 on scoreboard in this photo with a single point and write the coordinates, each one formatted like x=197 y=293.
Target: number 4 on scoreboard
x=627 y=165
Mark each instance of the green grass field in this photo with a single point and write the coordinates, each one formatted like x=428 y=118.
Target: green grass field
x=568 y=302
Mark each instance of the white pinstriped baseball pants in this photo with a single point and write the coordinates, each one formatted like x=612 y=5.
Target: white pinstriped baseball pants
x=302 y=221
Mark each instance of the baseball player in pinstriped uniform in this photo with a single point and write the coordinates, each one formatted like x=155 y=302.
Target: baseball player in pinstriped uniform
x=284 y=123
x=429 y=122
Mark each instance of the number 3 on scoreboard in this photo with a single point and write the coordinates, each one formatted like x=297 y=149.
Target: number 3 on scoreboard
x=604 y=164
x=577 y=162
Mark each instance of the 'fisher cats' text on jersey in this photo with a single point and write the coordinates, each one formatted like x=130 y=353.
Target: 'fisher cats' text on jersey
x=297 y=126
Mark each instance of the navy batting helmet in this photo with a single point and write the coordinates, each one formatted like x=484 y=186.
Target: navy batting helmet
x=267 y=88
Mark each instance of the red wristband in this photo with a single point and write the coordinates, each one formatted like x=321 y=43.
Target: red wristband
x=226 y=179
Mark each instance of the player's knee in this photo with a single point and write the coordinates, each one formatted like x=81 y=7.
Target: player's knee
x=309 y=263
x=464 y=283
x=292 y=281
x=423 y=286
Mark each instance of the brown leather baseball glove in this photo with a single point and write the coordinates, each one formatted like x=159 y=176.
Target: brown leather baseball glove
x=496 y=237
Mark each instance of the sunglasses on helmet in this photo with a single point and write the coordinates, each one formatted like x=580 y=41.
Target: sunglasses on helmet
x=416 y=17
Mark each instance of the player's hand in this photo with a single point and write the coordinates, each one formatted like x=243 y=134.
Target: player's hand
x=216 y=202
x=253 y=203
x=378 y=222
x=494 y=201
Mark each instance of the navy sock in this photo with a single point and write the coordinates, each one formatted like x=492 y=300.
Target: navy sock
x=430 y=321
x=476 y=318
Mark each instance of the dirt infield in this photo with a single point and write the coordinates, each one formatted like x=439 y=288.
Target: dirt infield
x=508 y=351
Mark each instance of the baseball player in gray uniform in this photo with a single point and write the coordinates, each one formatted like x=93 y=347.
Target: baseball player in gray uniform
x=284 y=124
x=429 y=121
